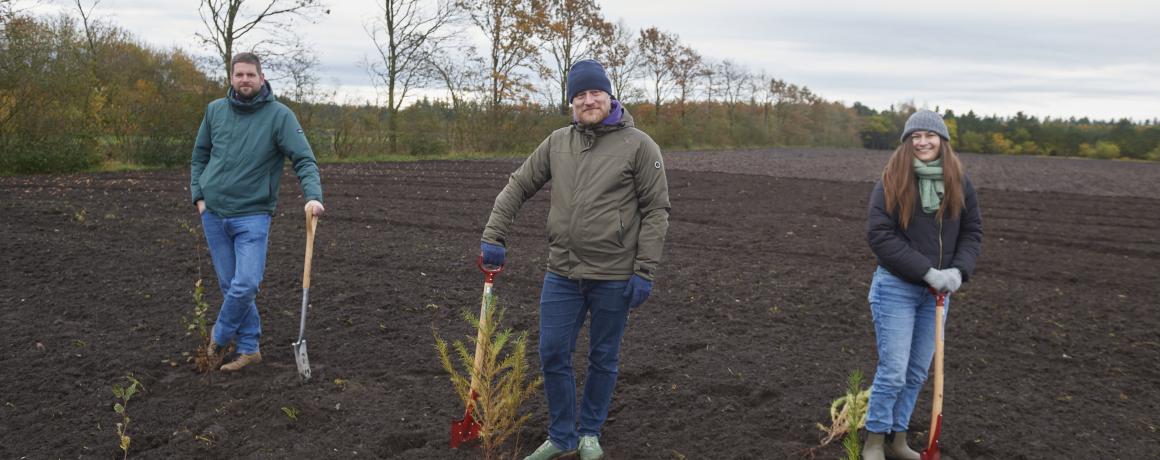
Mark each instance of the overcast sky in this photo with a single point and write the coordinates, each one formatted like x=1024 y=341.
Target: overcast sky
x=1044 y=57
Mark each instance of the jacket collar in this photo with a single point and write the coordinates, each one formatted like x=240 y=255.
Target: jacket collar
x=264 y=96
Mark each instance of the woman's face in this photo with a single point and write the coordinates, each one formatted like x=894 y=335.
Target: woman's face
x=926 y=145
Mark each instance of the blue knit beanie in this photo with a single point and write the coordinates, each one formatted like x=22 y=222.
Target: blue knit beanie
x=925 y=120
x=585 y=75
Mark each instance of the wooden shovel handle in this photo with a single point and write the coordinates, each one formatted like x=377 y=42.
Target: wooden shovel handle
x=311 y=226
x=936 y=406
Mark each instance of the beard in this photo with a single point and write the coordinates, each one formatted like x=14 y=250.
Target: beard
x=592 y=116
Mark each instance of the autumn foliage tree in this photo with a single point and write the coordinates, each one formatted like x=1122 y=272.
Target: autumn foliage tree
x=658 y=51
x=573 y=29
x=509 y=28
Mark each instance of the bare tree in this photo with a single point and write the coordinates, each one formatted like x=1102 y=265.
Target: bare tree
x=294 y=65
x=708 y=76
x=761 y=93
x=509 y=27
x=621 y=60
x=657 y=51
x=406 y=36
x=227 y=21
x=461 y=75
x=573 y=30
x=733 y=78
x=686 y=67
x=10 y=8
x=297 y=64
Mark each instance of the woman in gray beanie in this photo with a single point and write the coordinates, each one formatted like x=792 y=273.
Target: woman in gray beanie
x=925 y=230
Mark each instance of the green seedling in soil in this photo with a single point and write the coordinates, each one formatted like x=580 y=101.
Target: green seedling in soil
x=80 y=216
x=198 y=322
x=291 y=413
x=124 y=394
x=848 y=415
x=502 y=384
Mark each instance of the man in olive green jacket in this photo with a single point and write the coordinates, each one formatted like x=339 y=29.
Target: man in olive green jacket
x=244 y=140
x=606 y=230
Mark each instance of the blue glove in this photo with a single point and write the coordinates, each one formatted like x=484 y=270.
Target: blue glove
x=637 y=291
x=493 y=254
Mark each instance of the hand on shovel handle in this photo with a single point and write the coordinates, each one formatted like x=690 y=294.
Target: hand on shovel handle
x=311 y=227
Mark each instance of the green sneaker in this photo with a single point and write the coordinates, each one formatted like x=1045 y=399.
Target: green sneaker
x=590 y=448
x=546 y=451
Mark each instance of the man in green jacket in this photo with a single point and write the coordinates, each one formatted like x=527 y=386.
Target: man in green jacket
x=244 y=140
x=606 y=229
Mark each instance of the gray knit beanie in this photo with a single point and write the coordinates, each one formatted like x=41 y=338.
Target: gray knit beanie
x=925 y=120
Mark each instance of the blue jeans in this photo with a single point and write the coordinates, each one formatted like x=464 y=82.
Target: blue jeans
x=564 y=304
x=238 y=248
x=904 y=328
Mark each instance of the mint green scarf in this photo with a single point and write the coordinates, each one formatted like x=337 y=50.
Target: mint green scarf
x=930 y=183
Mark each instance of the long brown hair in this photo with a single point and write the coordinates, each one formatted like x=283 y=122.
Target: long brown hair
x=900 y=185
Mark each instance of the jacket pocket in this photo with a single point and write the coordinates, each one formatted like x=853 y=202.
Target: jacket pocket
x=602 y=233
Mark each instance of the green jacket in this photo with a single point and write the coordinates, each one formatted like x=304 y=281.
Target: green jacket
x=240 y=150
x=610 y=201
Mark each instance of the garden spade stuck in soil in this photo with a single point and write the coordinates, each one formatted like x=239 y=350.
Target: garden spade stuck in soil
x=300 y=346
x=467 y=429
x=932 y=449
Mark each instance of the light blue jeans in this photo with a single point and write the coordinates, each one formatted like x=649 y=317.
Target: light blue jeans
x=904 y=328
x=238 y=248
x=564 y=305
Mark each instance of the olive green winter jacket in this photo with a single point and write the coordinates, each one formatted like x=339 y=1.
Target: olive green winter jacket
x=239 y=153
x=610 y=201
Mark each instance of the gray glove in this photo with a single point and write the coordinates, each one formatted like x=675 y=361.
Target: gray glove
x=954 y=279
x=937 y=279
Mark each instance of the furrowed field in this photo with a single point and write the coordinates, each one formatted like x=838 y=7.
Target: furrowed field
x=758 y=316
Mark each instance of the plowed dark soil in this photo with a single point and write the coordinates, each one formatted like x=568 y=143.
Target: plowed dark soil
x=758 y=315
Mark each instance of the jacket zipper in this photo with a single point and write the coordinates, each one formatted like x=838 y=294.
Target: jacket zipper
x=940 y=244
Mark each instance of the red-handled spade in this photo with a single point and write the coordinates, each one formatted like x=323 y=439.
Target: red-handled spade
x=467 y=429
x=932 y=452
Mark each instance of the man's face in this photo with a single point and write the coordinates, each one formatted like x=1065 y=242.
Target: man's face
x=246 y=79
x=591 y=107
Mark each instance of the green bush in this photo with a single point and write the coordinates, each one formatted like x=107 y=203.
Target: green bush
x=1102 y=150
x=54 y=155
x=157 y=151
x=426 y=144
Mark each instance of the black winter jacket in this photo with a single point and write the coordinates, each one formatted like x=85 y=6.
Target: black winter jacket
x=909 y=254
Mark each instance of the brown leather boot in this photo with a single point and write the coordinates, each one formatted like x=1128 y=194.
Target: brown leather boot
x=873 y=449
x=242 y=361
x=897 y=449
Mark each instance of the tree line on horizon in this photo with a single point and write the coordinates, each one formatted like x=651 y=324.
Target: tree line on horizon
x=78 y=93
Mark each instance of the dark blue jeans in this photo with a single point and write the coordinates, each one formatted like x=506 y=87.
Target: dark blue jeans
x=238 y=248
x=564 y=305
